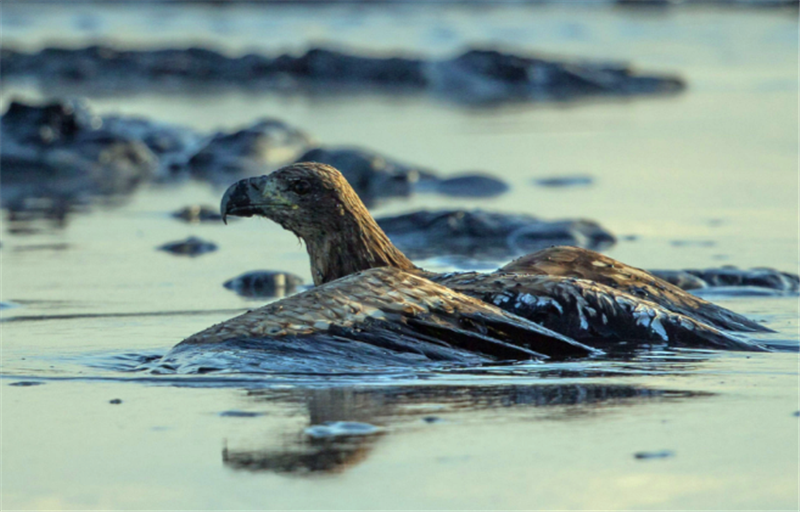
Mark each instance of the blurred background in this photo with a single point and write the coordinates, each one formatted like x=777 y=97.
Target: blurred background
x=671 y=127
x=663 y=133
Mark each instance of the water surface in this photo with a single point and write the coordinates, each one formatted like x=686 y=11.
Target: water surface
x=702 y=179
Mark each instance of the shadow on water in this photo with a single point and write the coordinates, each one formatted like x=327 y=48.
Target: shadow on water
x=393 y=409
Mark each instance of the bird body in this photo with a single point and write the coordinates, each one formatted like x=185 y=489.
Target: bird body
x=368 y=290
x=397 y=312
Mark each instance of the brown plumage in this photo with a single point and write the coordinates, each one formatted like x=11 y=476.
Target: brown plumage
x=581 y=293
x=315 y=202
x=595 y=267
x=395 y=312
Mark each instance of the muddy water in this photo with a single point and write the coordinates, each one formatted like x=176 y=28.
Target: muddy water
x=702 y=179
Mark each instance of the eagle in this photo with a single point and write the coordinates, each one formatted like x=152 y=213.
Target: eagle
x=583 y=296
x=381 y=316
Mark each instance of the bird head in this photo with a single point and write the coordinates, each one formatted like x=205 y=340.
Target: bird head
x=306 y=198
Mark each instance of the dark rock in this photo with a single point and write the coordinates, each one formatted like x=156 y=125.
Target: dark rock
x=264 y=284
x=581 y=233
x=371 y=175
x=728 y=276
x=714 y=293
x=172 y=144
x=190 y=247
x=476 y=75
x=565 y=181
x=680 y=278
x=487 y=235
x=26 y=383
x=249 y=150
x=115 y=401
x=59 y=157
x=198 y=213
x=693 y=243
x=240 y=414
x=737 y=3
x=645 y=3
x=374 y=176
x=474 y=185
x=42 y=247
x=761 y=277
x=321 y=65
x=52 y=123
x=663 y=454
x=490 y=75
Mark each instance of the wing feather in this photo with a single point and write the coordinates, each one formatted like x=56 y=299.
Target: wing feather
x=591 y=312
x=397 y=311
x=592 y=266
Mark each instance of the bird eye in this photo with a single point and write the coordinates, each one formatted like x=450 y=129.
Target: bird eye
x=300 y=187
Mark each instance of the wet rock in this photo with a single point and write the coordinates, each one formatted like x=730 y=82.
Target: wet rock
x=693 y=243
x=473 y=185
x=195 y=214
x=240 y=414
x=737 y=3
x=248 y=151
x=58 y=157
x=476 y=75
x=173 y=145
x=680 y=278
x=264 y=284
x=370 y=174
x=729 y=276
x=115 y=401
x=42 y=247
x=580 y=232
x=663 y=454
x=190 y=247
x=330 y=429
x=322 y=65
x=645 y=3
x=62 y=146
x=374 y=176
x=487 y=235
x=491 y=75
x=47 y=124
x=55 y=157
x=565 y=181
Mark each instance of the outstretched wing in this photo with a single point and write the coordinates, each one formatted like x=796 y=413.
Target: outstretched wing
x=395 y=312
x=593 y=266
x=591 y=312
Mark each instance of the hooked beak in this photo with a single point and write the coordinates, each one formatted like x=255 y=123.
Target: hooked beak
x=248 y=197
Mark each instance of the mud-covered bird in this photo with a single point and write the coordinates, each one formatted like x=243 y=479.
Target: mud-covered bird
x=578 y=293
x=382 y=316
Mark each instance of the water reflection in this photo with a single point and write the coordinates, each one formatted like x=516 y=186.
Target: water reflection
x=400 y=408
x=304 y=456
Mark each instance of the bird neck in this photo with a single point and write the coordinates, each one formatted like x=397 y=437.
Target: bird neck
x=357 y=244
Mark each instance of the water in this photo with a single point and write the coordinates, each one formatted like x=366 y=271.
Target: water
x=705 y=178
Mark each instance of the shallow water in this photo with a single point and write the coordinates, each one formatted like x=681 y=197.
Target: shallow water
x=702 y=179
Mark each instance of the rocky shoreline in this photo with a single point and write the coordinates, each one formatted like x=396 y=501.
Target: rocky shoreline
x=475 y=76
